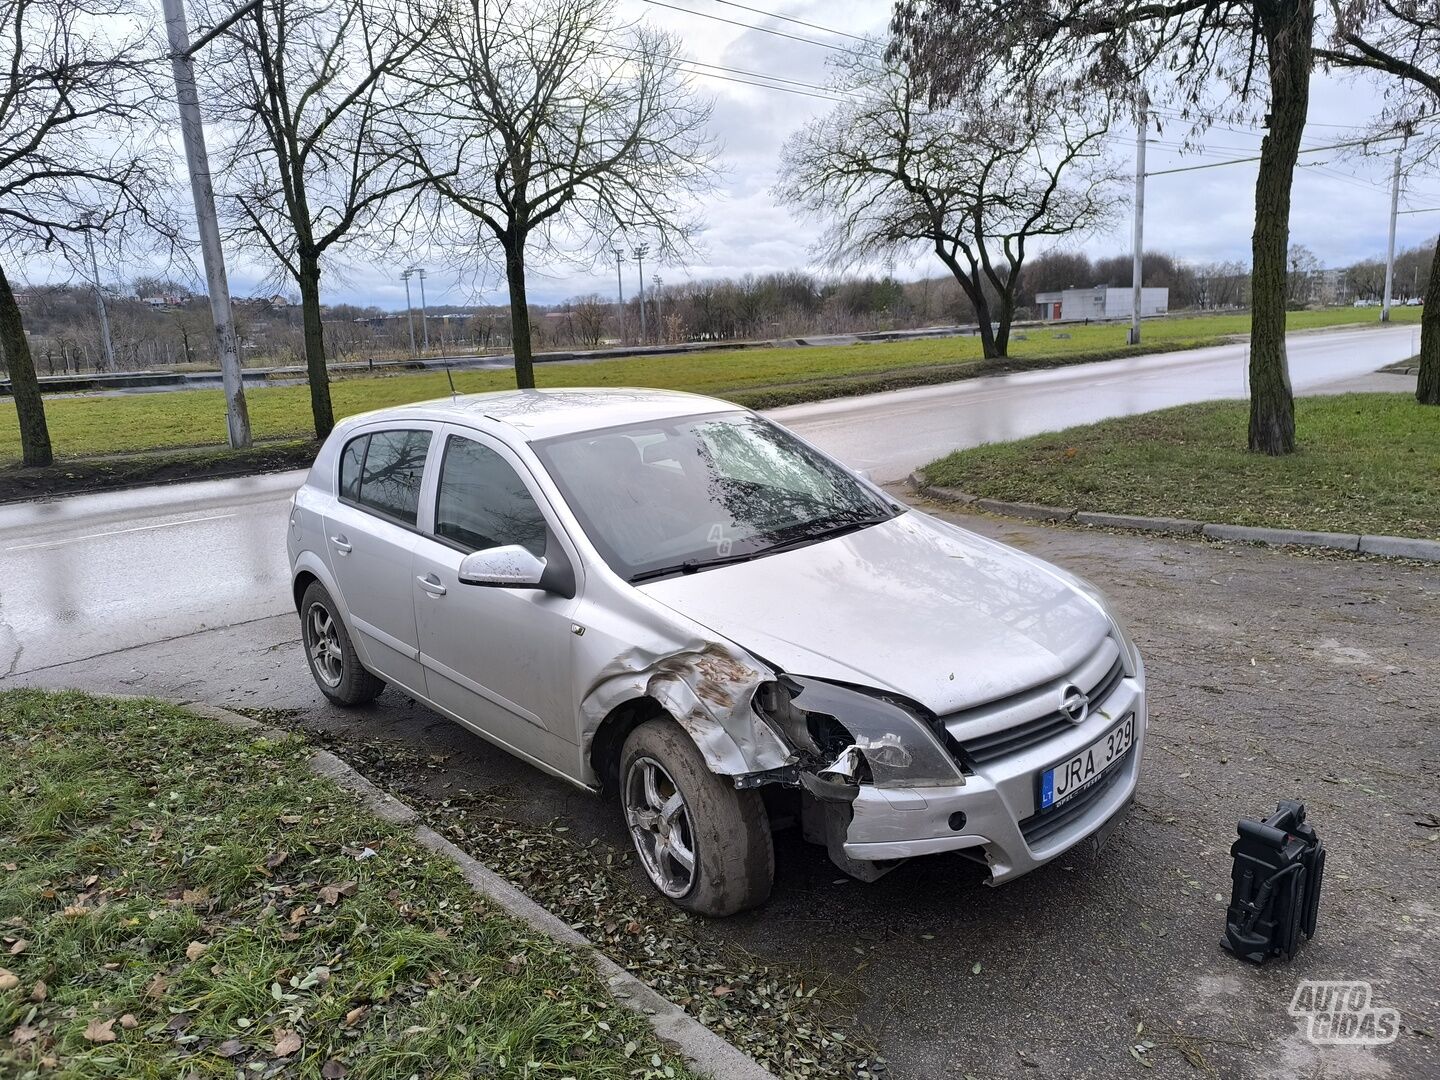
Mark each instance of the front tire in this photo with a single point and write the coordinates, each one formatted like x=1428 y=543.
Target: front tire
x=331 y=654
x=703 y=843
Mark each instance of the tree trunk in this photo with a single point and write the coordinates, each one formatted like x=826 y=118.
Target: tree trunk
x=315 y=346
x=1287 y=28
x=519 y=314
x=24 y=386
x=1427 y=391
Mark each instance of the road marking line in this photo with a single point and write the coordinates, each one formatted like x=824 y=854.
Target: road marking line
x=118 y=532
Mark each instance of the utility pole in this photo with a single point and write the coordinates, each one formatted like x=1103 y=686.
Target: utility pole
x=620 y=287
x=640 y=253
x=659 y=311
x=1137 y=273
x=1390 y=251
x=419 y=271
x=409 y=309
x=105 y=341
x=227 y=344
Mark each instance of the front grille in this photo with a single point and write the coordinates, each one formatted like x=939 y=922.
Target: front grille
x=982 y=749
x=1039 y=827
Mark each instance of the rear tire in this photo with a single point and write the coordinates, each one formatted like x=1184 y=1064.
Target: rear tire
x=704 y=844
x=331 y=654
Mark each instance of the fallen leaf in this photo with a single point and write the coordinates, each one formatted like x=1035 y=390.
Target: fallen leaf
x=24 y=1034
x=229 y=1048
x=20 y=946
x=355 y=1015
x=100 y=1031
x=290 y=819
x=286 y=1042
x=297 y=916
x=975 y=968
x=195 y=950
x=333 y=1070
x=331 y=894
x=39 y=992
x=721 y=991
x=128 y=1021
x=8 y=979
x=91 y=880
x=12 y=867
x=275 y=859
x=157 y=987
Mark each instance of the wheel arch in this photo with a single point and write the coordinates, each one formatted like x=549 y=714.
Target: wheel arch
x=608 y=742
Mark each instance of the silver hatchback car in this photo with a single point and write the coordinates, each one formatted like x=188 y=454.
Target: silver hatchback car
x=676 y=600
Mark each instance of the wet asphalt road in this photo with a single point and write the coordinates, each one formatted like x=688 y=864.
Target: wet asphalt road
x=1272 y=676
x=95 y=573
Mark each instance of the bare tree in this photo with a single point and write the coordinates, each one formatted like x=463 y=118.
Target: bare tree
x=588 y=316
x=546 y=125
x=1206 y=58
x=306 y=88
x=1401 y=38
x=74 y=105
x=974 y=186
x=1301 y=268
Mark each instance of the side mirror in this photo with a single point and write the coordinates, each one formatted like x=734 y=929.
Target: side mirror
x=508 y=567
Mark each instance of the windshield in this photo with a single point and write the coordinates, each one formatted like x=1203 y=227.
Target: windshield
x=675 y=496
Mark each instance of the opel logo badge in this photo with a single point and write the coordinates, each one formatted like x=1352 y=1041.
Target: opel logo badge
x=1075 y=704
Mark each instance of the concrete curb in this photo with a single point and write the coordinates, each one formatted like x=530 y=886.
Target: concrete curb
x=705 y=1051
x=1401 y=547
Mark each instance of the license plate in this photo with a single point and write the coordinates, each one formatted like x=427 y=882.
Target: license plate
x=1073 y=775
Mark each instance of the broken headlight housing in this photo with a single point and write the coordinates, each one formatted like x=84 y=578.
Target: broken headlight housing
x=848 y=734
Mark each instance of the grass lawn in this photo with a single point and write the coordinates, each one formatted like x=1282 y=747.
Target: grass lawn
x=1367 y=463
x=177 y=899
x=81 y=426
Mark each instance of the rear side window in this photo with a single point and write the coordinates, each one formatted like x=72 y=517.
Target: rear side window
x=351 y=463
x=482 y=502
x=382 y=472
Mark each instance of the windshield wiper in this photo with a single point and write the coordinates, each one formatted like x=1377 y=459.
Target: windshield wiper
x=815 y=531
x=690 y=566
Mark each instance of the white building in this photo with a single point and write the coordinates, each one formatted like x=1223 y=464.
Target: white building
x=1101 y=302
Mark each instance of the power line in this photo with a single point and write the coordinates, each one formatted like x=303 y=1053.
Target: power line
x=1241 y=161
x=752 y=26
x=788 y=19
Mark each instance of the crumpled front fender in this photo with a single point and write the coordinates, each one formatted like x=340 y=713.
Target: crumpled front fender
x=707 y=687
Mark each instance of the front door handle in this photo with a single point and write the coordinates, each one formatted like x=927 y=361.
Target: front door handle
x=431 y=584
x=341 y=544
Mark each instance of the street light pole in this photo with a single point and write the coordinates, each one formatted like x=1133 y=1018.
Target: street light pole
x=105 y=341
x=202 y=192
x=1390 y=251
x=1138 y=266
x=640 y=253
x=424 y=319
x=620 y=287
x=409 y=308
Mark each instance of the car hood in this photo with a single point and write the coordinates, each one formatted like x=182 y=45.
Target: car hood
x=913 y=605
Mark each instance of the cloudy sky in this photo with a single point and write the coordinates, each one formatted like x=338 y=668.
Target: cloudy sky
x=1340 y=207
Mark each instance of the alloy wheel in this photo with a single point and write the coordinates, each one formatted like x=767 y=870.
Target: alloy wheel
x=322 y=642
x=660 y=826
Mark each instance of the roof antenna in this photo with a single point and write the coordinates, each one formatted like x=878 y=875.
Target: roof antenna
x=453 y=392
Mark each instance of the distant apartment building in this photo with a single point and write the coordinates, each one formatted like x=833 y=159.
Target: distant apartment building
x=1100 y=302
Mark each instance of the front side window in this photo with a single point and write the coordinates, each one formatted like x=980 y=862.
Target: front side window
x=482 y=503
x=673 y=496
x=382 y=472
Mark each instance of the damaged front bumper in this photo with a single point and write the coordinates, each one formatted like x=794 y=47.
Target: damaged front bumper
x=996 y=807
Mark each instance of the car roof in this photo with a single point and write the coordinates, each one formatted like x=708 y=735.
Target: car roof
x=541 y=414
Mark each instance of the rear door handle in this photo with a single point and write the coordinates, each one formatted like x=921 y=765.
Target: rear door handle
x=431 y=584
x=341 y=544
